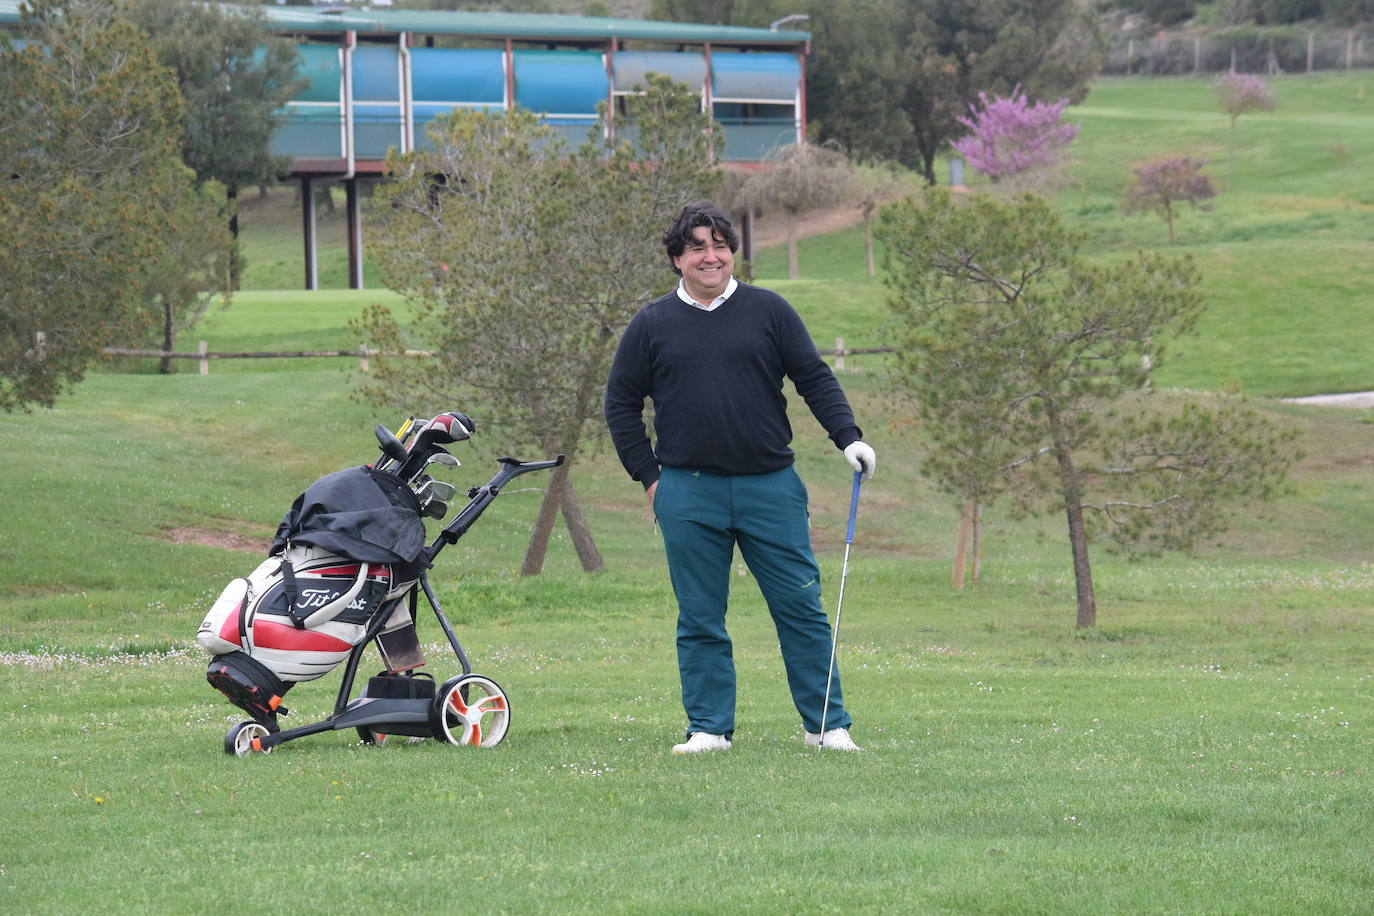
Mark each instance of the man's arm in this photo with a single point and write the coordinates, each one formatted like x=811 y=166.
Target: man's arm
x=821 y=391
x=814 y=380
x=626 y=389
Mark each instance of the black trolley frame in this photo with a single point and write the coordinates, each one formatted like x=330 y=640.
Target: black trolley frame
x=396 y=715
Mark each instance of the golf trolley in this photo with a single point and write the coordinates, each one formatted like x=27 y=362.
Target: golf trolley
x=345 y=572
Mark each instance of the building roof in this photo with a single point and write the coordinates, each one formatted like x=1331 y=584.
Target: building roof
x=518 y=26
x=523 y=26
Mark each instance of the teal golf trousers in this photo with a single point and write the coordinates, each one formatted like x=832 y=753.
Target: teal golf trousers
x=702 y=517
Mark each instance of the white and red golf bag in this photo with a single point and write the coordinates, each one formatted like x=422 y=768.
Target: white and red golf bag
x=343 y=555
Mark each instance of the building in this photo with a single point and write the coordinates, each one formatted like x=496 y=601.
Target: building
x=375 y=78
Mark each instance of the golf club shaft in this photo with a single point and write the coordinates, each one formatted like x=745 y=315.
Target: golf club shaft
x=839 y=608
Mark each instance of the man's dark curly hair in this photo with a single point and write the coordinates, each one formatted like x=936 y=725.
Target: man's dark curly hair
x=679 y=234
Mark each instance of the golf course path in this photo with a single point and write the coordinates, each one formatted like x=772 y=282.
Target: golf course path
x=1349 y=399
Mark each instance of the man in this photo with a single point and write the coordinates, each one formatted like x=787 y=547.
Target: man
x=712 y=355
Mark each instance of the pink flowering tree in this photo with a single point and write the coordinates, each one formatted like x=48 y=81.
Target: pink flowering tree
x=1238 y=93
x=1013 y=137
x=1162 y=184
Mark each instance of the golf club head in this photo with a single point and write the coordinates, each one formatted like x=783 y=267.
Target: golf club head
x=450 y=427
x=439 y=456
x=441 y=491
x=435 y=508
x=434 y=489
x=443 y=429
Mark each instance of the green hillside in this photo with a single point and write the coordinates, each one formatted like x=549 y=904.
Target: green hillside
x=1207 y=749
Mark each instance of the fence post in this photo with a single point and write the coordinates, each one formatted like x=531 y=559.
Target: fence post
x=1130 y=54
x=1197 y=53
x=1309 y=51
x=362 y=357
x=204 y=362
x=1349 y=48
x=839 y=354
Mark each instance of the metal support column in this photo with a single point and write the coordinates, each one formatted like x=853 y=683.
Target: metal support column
x=312 y=272
x=355 y=235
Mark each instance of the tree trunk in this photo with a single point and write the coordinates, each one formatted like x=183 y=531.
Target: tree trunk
x=579 y=532
x=977 y=547
x=1169 y=218
x=543 y=526
x=1078 y=535
x=868 y=245
x=169 y=337
x=235 y=268
x=928 y=166
x=792 y=268
x=956 y=577
x=559 y=494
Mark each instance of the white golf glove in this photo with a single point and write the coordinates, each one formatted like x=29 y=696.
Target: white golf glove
x=861 y=458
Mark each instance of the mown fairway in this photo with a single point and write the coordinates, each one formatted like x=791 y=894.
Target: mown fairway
x=1207 y=750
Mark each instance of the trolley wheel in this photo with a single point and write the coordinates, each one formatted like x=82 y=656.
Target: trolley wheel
x=241 y=738
x=471 y=710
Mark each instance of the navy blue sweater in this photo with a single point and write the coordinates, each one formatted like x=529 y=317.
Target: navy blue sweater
x=715 y=379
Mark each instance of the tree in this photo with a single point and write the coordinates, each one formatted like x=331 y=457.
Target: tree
x=750 y=13
x=192 y=265
x=1160 y=184
x=800 y=177
x=877 y=184
x=1012 y=139
x=889 y=78
x=235 y=77
x=1238 y=93
x=523 y=261
x=88 y=134
x=1028 y=366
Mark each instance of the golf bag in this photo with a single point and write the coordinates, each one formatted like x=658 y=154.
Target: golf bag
x=343 y=574
x=343 y=557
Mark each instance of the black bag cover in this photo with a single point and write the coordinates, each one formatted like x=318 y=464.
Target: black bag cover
x=360 y=513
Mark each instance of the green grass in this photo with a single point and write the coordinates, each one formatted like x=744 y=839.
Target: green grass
x=1283 y=249
x=1207 y=749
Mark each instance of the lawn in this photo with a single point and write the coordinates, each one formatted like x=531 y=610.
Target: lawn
x=1284 y=249
x=1206 y=750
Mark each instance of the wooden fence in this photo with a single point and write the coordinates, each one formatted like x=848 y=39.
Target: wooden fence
x=204 y=354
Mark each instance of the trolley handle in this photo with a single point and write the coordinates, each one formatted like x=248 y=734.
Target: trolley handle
x=481 y=497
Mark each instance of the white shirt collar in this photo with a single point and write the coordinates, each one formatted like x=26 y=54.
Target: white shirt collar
x=715 y=303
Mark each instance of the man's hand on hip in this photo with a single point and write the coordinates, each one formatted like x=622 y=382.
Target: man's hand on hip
x=653 y=487
x=861 y=458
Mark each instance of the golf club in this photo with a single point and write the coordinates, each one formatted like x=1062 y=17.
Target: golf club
x=435 y=489
x=839 y=608
x=443 y=429
x=441 y=457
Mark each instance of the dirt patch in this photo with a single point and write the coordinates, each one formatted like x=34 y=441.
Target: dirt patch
x=225 y=540
x=772 y=230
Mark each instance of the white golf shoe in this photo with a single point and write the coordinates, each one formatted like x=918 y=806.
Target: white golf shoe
x=835 y=738
x=701 y=741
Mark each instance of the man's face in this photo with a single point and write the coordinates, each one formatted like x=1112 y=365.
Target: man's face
x=706 y=264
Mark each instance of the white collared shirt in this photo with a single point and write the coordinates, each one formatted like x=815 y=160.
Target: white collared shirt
x=715 y=303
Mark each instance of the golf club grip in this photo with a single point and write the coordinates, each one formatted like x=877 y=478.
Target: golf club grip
x=853 y=507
